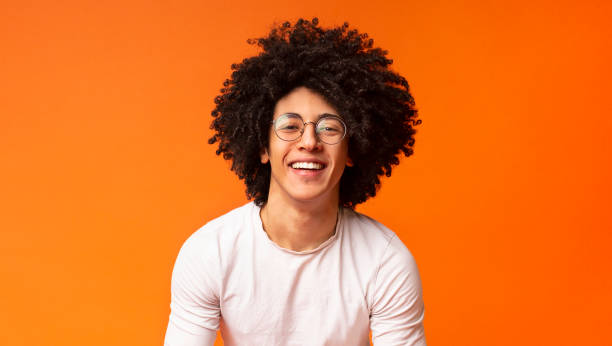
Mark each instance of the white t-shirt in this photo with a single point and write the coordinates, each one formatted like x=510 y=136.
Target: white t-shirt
x=229 y=274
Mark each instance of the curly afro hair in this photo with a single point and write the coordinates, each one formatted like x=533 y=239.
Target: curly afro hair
x=342 y=66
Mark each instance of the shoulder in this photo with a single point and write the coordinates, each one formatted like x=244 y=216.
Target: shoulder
x=362 y=222
x=222 y=228
x=378 y=248
x=210 y=242
x=362 y=230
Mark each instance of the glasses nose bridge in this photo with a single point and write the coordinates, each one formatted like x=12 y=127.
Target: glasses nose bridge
x=314 y=124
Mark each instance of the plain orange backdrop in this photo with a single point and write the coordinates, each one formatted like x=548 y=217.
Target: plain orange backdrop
x=105 y=170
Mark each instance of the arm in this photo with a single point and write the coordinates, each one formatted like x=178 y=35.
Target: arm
x=179 y=337
x=195 y=312
x=397 y=311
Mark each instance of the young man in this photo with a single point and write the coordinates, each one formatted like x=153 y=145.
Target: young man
x=310 y=124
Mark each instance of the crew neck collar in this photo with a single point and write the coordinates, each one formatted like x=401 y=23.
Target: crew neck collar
x=258 y=223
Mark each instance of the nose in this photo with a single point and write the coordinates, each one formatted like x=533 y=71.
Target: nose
x=309 y=139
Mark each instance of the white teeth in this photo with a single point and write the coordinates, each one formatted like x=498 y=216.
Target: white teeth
x=306 y=165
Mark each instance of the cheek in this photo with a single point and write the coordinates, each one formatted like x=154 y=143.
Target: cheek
x=276 y=151
x=344 y=155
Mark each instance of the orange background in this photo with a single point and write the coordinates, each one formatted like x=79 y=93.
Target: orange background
x=104 y=115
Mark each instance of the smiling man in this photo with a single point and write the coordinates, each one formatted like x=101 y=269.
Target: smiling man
x=310 y=124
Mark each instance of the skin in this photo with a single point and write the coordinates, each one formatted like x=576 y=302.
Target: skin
x=302 y=205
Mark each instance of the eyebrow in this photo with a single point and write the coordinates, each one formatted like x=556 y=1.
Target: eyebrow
x=322 y=115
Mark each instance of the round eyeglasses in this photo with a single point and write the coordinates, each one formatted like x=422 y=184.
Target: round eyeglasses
x=330 y=129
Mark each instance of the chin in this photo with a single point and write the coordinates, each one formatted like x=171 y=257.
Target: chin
x=311 y=196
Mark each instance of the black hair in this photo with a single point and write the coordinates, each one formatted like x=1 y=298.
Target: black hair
x=341 y=65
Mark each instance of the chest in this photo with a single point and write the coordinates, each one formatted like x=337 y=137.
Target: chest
x=279 y=299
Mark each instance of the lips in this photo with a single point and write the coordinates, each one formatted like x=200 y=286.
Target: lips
x=307 y=165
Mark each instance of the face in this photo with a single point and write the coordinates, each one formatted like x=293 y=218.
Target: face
x=305 y=169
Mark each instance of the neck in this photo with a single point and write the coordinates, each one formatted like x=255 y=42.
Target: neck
x=299 y=226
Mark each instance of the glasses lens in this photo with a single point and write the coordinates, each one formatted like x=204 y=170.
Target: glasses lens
x=331 y=130
x=288 y=127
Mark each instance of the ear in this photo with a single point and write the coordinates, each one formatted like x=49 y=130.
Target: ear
x=263 y=156
x=349 y=162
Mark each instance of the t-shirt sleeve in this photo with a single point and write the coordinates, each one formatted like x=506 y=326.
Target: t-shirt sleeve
x=397 y=308
x=195 y=312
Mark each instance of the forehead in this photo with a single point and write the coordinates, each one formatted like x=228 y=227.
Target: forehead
x=305 y=102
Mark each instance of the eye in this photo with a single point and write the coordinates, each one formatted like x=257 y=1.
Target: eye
x=288 y=127
x=288 y=124
x=330 y=126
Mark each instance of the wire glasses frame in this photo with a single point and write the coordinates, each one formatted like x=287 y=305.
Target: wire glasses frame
x=330 y=128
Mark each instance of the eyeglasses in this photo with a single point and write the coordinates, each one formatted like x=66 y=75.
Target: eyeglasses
x=330 y=129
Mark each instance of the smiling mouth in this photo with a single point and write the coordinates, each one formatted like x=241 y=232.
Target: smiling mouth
x=307 y=165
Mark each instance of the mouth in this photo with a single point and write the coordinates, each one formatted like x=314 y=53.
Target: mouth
x=307 y=165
